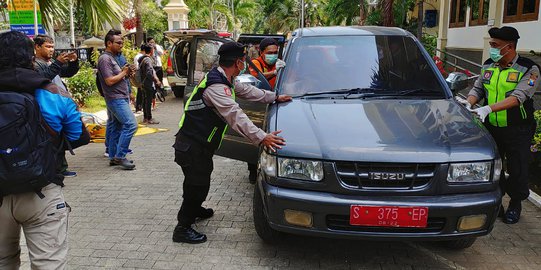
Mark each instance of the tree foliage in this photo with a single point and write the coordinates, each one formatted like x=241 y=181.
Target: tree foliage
x=154 y=20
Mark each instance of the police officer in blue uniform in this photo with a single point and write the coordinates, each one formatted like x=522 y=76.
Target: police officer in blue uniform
x=507 y=83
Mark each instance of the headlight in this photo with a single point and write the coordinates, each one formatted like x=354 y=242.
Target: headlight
x=300 y=169
x=268 y=163
x=469 y=172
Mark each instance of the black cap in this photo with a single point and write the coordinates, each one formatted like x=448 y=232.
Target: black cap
x=507 y=33
x=266 y=42
x=232 y=50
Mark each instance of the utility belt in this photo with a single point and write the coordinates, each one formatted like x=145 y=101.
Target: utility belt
x=182 y=139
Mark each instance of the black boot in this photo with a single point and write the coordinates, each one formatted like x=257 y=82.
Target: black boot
x=186 y=234
x=512 y=215
x=205 y=213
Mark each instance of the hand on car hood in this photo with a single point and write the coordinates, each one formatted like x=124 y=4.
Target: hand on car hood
x=382 y=131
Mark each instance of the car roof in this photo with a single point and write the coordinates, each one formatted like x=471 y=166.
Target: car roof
x=350 y=31
x=280 y=38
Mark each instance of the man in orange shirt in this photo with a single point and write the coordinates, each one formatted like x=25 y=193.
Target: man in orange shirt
x=268 y=62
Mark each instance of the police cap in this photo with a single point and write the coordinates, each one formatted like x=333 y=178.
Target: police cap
x=232 y=50
x=507 y=33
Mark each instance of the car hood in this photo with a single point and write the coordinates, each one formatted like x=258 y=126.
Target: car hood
x=384 y=130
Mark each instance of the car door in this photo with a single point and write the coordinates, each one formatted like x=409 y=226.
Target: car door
x=202 y=58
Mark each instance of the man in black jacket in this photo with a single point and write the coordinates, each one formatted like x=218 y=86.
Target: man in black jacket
x=40 y=209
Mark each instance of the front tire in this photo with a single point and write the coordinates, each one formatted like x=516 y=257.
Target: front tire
x=262 y=227
x=460 y=243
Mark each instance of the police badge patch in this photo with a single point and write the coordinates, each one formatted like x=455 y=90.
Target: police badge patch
x=533 y=78
x=227 y=91
x=512 y=77
x=487 y=75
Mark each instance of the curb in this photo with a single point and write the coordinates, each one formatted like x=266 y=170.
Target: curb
x=535 y=198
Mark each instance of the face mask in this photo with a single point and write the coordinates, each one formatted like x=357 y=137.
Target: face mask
x=495 y=53
x=271 y=58
x=244 y=69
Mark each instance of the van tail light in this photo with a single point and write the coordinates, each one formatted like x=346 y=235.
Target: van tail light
x=170 y=70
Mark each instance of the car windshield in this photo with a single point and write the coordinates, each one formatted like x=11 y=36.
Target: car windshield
x=379 y=65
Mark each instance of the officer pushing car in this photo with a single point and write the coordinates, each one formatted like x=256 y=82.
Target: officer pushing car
x=208 y=112
x=507 y=83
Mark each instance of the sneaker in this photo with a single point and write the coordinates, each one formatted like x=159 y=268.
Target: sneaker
x=188 y=235
x=106 y=154
x=124 y=163
x=69 y=174
x=152 y=122
x=129 y=152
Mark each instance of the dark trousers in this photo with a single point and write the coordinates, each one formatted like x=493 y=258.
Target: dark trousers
x=514 y=147
x=159 y=73
x=197 y=166
x=148 y=95
x=139 y=100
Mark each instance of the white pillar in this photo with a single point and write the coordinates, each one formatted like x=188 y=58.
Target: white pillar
x=443 y=25
x=495 y=18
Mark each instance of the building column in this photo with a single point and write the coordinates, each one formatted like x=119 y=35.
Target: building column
x=495 y=19
x=443 y=25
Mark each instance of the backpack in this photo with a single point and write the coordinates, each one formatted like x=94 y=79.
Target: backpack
x=27 y=152
x=139 y=78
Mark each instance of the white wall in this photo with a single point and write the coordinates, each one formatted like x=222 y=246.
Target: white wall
x=530 y=35
x=466 y=37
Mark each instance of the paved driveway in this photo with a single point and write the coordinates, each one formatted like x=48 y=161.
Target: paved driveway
x=124 y=220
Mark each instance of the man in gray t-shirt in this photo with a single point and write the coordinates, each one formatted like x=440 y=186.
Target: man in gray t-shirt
x=121 y=123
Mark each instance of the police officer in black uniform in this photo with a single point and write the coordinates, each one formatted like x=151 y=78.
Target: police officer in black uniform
x=207 y=114
x=507 y=83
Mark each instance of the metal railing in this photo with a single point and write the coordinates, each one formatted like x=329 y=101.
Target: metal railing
x=457 y=58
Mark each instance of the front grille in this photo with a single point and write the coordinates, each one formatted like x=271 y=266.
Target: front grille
x=405 y=176
x=341 y=223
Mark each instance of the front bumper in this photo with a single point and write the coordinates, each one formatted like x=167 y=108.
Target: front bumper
x=331 y=213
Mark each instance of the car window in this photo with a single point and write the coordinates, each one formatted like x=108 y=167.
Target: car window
x=206 y=57
x=390 y=64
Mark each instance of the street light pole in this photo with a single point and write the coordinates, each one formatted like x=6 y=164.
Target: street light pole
x=35 y=17
x=72 y=27
x=302 y=13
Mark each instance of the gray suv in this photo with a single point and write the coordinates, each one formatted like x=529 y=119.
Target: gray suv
x=377 y=147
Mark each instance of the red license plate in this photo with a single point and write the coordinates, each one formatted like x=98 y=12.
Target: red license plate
x=388 y=216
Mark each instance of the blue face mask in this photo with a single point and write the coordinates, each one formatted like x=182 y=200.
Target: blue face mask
x=271 y=58
x=495 y=53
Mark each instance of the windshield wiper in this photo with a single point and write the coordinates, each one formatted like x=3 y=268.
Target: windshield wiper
x=415 y=91
x=345 y=92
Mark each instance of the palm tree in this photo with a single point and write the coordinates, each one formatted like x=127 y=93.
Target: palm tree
x=388 y=17
x=138 y=5
x=204 y=13
x=94 y=12
x=344 y=11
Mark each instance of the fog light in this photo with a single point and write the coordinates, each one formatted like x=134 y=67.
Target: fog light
x=471 y=223
x=298 y=218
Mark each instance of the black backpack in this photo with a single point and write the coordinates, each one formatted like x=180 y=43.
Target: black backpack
x=27 y=151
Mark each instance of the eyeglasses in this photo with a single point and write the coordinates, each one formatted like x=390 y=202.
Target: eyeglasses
x=119 y=42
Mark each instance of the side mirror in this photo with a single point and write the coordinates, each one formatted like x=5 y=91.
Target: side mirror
x=248 y=79
x=457 y=81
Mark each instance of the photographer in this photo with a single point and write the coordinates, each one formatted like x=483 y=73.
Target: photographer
x=121 y=123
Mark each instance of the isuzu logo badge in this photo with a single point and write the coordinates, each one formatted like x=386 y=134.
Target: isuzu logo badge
x=386 y=176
